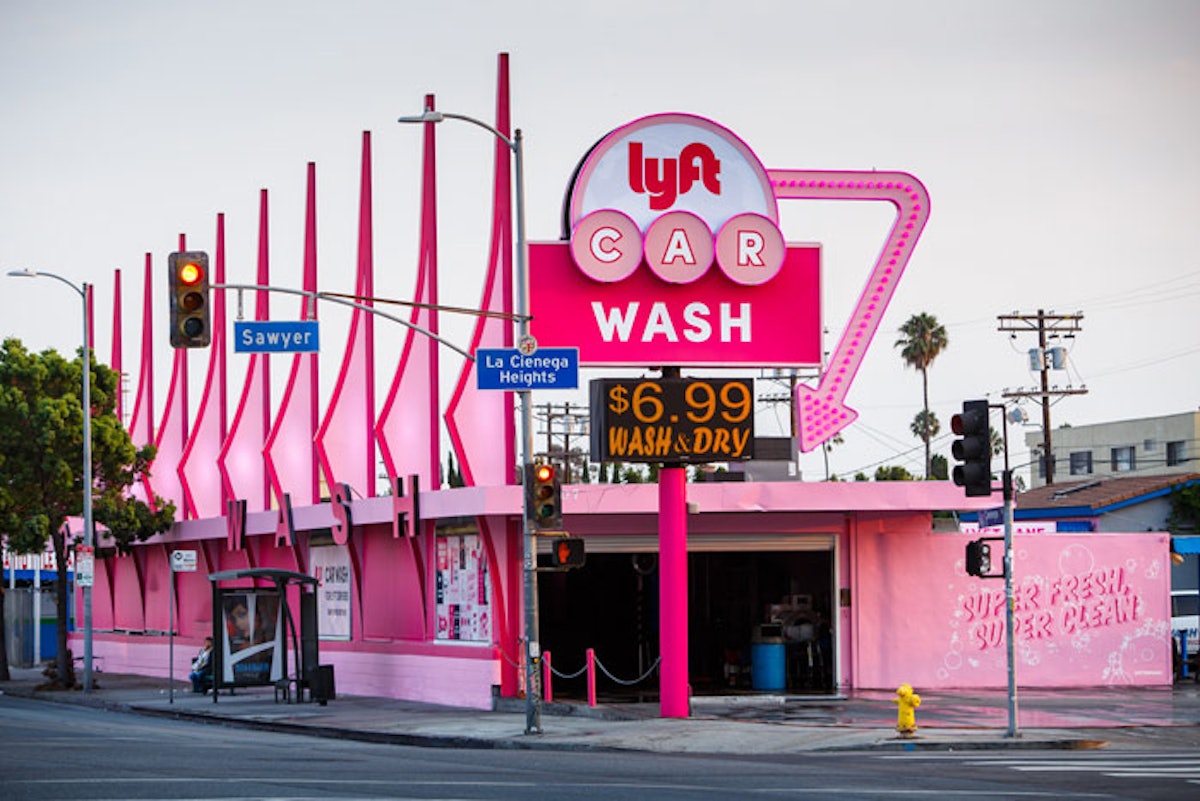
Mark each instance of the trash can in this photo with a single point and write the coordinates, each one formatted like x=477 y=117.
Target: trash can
x=321 y=684
x=768 y=658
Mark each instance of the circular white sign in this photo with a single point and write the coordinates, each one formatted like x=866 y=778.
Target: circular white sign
x=672 y=162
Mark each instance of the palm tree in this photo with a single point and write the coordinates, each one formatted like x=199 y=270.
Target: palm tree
x=922 y=339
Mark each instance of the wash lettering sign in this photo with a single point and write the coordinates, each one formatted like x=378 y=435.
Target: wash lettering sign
x=675 y=257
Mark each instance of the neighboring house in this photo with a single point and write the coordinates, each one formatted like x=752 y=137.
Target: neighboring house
x=1143 y=447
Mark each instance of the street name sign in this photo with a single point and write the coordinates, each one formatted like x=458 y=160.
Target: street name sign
x=544 y=368
x=276 y=336
x=991 y=517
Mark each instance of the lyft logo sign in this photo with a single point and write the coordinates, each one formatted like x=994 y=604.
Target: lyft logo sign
x=673 y=255
x=665 y=179
x=675 y=192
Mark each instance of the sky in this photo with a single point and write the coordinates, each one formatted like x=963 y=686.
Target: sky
x=1057 y=141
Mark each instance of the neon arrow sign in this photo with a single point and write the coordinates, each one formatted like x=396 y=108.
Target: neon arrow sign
x=821 y=413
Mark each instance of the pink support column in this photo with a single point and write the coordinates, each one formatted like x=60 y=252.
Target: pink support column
x=673 y=592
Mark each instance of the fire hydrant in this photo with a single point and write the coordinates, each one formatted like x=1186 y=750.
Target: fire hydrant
x=906 y=716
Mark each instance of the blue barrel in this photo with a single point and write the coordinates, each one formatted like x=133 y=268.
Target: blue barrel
x=768 y=666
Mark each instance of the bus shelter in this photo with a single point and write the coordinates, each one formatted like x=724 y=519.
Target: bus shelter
x=251 y=625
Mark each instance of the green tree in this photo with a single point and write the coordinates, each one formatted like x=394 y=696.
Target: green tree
x=893 y=472
x=41 y=475
x=925 y=426
x=941 y=467
x=922 y=339
x=1185 y=510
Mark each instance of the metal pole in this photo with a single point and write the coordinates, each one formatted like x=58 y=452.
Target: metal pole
x=86 y=403
x=171 y=633
x=1008 y=606
x=533 y=707
x=533 y=697
x=1007 y=487
x=87 y=486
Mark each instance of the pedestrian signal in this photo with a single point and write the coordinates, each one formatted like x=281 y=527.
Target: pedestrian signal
x=979 y=558
x=567 y=552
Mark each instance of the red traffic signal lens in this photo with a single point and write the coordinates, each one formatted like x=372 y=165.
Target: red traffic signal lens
x=190 y=273
x=543 y=473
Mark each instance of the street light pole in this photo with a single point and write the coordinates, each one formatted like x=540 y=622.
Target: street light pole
x=87 y=458
x=533 y=700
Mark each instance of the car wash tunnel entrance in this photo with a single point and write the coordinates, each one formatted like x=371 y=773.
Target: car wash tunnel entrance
x=759 y=619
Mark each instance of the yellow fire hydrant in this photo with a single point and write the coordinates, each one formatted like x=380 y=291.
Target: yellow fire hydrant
x=906 y=715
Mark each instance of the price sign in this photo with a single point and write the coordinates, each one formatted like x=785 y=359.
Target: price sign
x=694 y=420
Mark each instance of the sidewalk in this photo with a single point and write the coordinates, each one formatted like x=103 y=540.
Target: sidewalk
x=748 y=724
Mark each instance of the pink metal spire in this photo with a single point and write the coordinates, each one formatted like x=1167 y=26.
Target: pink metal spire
x=172 y=432
x=474 y=418
x=201 y=483
x=240 y=462
x=141 y=424
x=408 y=424
x=289 y=452
x=115 y=361
x=346 y=440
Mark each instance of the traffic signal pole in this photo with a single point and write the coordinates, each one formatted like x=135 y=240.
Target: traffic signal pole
x=1007 y=486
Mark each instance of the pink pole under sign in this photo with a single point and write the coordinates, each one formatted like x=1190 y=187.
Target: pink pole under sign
x=672 y=592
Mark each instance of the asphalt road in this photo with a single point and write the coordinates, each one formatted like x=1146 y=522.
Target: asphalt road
x=56 y=751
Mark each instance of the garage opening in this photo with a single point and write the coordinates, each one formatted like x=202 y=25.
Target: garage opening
x=759 y=620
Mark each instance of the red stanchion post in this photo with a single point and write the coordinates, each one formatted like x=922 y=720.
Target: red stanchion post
x=547 y=691
x=591 y=676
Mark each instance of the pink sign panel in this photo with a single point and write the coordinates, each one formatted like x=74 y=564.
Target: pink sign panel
x=646 y=320
x=1088 y=610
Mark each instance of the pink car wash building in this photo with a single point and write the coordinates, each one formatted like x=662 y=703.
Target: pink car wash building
x=671 y=256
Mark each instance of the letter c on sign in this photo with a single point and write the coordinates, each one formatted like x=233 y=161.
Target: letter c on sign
x=607 y=246
x=603 y=242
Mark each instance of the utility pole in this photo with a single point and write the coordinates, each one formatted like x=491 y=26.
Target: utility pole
x=1047 y=325
x=571 y=420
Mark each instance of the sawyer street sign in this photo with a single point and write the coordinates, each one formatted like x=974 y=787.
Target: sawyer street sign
x=544 y=368
x=276 y=336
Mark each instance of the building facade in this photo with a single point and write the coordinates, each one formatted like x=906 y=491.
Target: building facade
x=1142 y=446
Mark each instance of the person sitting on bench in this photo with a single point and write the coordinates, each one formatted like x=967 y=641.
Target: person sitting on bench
x=201 y=674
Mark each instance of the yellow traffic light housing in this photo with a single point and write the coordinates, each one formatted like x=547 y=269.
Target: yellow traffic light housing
x=543 y=497
x=191 y=320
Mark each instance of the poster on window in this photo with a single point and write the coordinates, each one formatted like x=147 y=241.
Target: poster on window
x=463 y=603
x=331 y=569
x=252 y=642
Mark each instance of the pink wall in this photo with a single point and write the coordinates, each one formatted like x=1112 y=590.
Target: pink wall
x=1089 y=610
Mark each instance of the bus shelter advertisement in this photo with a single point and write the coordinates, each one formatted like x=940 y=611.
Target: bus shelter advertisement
x=252 y=647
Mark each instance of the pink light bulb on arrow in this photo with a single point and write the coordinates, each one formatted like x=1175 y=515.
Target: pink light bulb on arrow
x=821 y=412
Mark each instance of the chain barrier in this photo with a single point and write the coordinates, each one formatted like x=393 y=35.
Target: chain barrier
x=574 y=675
x=605 y=671
x=623 y=683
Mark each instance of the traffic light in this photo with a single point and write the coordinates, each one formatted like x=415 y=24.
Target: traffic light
x=543 y=497
x=567 y=552
x=979 y=558
x=974 y=450
x=191 y=323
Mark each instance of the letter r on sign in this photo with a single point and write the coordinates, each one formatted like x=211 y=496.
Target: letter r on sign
x=749 y=249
